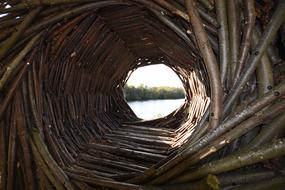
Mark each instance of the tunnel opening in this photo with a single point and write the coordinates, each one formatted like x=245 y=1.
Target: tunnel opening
x=154 y=91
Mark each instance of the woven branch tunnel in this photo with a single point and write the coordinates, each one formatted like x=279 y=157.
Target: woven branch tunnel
x=64 y=121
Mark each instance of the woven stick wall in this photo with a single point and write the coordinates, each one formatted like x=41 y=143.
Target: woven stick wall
x=64 y=122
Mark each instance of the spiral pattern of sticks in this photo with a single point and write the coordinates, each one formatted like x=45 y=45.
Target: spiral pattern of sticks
x=64 y=122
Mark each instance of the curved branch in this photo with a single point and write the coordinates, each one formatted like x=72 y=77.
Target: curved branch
x=210 y=62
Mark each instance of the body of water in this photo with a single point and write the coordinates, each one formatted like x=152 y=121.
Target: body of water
x=151 y=109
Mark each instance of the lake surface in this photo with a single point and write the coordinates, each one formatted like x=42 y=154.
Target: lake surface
x=151 y=109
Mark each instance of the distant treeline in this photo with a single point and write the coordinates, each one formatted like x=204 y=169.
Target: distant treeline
x=141 y=92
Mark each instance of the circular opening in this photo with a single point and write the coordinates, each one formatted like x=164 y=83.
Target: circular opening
x=154 y=91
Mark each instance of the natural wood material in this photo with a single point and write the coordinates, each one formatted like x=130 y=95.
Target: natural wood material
x=231 y=162
x=64 y=121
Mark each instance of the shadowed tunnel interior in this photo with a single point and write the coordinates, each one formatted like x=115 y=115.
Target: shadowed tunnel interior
x=86 y=120
x=64 y=122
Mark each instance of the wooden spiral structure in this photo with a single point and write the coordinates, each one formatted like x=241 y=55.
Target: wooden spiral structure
x=64 y=123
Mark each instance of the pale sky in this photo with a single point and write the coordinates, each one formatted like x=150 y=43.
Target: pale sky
x=155 y=75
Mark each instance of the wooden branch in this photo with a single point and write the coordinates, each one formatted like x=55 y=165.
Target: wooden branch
x=14 y=66
x=210 y=62
x=19 y=30
x=267 y=152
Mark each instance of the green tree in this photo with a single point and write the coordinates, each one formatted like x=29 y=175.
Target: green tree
x=142 y=92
